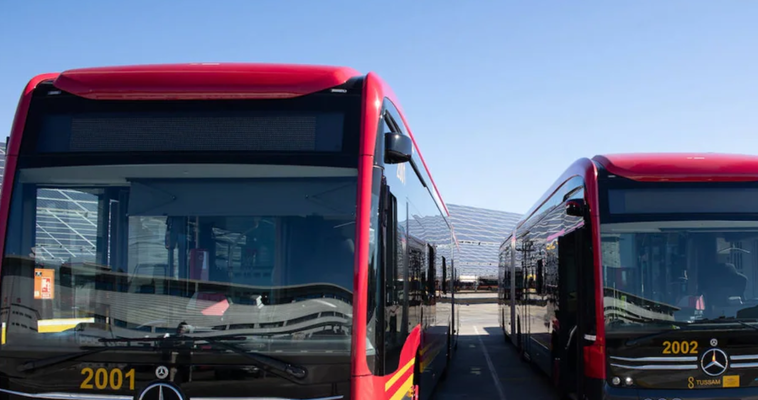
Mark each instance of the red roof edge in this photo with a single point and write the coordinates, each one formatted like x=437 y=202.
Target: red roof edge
x=682 y=167
x=202 y=81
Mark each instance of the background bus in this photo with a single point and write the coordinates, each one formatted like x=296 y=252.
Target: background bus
x=486 y=284
x=276 y=223
x=641 y=277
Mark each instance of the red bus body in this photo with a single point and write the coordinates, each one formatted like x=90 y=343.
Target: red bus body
x=405 y=361
x=590 y=261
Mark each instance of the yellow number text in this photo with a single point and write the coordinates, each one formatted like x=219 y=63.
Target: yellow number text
x=680 y=347
x=103 y=378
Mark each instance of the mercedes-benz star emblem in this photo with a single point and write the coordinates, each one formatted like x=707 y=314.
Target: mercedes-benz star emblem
x=160 y=391
x=161 y=372
x=714 y=362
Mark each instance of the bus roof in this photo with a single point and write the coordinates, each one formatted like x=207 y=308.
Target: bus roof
x=201 y=81
x=660 y=167
x=209 y=80
x=681 y=167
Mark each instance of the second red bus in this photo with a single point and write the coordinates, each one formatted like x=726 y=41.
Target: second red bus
x=640 y=278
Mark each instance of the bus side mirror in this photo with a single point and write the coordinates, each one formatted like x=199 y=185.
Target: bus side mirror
x=576 y=207
x=398 y=148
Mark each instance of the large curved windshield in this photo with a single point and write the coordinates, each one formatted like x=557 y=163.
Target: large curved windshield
x=687 y=271
x=676 y=254
x=135 y=251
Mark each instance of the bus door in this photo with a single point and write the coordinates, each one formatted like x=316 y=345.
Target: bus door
x=565 y=350
x=576 y=309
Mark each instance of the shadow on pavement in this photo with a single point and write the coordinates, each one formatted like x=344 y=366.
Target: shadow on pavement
x=470 y=376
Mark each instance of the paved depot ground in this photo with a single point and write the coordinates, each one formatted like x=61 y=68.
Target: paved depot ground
x=498 y=375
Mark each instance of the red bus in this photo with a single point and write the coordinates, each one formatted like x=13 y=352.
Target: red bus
x=641 y=278
x=203 y=231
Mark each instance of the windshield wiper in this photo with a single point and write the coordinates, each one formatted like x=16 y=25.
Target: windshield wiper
x=676 y=326
x=732 y=320
x=651 y=336
x=267 y=362
x=263 y=359
x=646 y=338
x=30 y=366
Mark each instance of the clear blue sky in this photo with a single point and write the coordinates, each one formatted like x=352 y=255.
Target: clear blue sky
x=502 y=95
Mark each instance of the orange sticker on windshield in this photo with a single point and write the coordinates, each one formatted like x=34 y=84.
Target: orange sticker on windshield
x=44 y=284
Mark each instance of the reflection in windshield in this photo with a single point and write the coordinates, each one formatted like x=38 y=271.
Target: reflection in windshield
x=679 y=271
x=266 y=258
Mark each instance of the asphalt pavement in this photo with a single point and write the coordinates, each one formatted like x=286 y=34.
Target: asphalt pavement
x=486 y=367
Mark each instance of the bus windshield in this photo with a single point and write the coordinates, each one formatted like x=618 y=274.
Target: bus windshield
x=266 y=257
x=677 y=265
x=139 y=218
